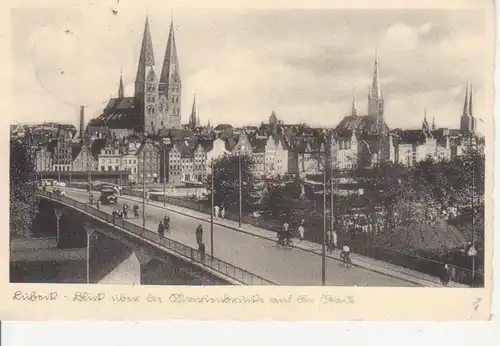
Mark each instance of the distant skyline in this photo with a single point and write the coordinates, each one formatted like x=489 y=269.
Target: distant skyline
x=306 y=65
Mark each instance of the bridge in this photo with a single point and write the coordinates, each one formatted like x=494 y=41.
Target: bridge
x=111 y=241
x=241 y=257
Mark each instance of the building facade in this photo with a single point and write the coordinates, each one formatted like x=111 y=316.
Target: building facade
x=43 y=160
x=148 y=162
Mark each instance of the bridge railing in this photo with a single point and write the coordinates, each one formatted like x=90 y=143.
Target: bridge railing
x=225 y=268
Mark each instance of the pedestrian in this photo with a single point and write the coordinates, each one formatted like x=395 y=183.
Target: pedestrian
x=199 y=234
x=329 y=240
x=201 y=248
x=223 y=213
x=301 y=232
x=161 y=229
x=445 y=276
x=114 y=216
x=216 y=211
x=334 y=240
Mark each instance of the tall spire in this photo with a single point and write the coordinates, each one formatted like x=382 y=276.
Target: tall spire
x=425 y=124
x=466 y=102
x=146 y=60
x=470 y=101
x=170 y=70
x=192 y=120
x=120 y=87
x=376 y=93
x=146 y=57
x=354 y=111
x=433 y=123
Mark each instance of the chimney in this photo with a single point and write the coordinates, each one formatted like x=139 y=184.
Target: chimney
x=82 y=120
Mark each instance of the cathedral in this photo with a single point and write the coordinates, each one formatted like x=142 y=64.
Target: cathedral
x=363 y=140
x=156 y=103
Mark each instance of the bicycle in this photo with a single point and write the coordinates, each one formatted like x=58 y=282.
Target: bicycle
x=345 y=260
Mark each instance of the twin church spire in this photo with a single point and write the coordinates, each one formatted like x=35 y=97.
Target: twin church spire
x=158 y=98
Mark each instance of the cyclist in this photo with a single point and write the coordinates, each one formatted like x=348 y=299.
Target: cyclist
x=344 y=255
x=166 y=221
x=136 y=211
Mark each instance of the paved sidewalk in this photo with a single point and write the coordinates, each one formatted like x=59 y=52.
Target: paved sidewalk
x=374 y=265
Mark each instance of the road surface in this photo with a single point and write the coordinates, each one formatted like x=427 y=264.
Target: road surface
x=259 y=256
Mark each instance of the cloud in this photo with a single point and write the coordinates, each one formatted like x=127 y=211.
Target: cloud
x=401 y=37
x=243 y=65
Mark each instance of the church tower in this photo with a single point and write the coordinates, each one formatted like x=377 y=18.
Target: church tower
x=467 y=122
x=170 y=84
x=376 y=100
x=354 y=110
x=192 y=119
x=120 y=87
x=146 y=84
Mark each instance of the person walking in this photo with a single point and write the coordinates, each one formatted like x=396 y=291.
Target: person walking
x=334 y=240
x=161 y=229
x=445 y=276
x=201 y=248
x=125 y=210
x=301 y=231
x=223 y=213
x=199 y=234
x=216 y=211
x=329 y=240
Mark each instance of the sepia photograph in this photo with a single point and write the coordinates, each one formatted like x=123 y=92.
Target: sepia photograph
x=341 y=147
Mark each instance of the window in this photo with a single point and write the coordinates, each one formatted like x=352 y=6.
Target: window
x=102 y=168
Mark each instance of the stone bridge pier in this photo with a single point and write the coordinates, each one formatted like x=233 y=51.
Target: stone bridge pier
x=114 y=255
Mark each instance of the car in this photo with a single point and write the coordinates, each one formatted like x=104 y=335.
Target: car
x=108 y=196
x=59 y=192
x=59 y=183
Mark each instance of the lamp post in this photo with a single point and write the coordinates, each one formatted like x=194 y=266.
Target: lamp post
x=239 y=185
x=144 y=188
x=164 y=175
x=212 y=209
x=323 y=247
x=89 y=167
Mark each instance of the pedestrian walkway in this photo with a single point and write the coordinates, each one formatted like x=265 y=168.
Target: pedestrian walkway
x=368 y=263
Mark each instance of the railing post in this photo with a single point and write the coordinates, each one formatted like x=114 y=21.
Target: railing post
x=58 y=214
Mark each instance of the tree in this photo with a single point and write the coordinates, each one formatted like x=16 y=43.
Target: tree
x=226 y=183
x=282 y=196
x=23 y=202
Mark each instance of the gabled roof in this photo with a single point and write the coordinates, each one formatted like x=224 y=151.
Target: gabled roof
x=207 y=145
x=119 y=113
x=231 y=142
x=365 y=125
x=75 y=150
x=96 y=146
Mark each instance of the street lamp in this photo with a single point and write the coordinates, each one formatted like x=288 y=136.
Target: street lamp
x=164 y=175
x=239 y=185
x=89 y=168
x=144 y=188
x=323 y=247
x=212 y=209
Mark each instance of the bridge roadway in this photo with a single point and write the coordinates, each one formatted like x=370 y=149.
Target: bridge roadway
x=258 y=256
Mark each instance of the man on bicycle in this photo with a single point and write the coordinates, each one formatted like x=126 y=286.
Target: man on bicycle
x=284 y=234
x=344 y=255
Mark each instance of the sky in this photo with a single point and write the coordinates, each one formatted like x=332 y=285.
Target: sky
x=306 y=65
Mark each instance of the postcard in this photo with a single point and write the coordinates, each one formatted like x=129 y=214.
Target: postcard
x=226 y=160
